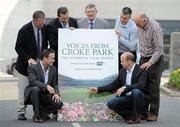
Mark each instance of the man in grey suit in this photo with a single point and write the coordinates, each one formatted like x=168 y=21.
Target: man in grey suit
x=92 y=22
x=42 y=91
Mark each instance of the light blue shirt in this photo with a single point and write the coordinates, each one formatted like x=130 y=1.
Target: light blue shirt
x=46 y=73
x=128 y=78
x=128 y=39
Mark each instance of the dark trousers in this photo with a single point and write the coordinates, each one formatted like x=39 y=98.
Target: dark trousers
x=119 y=59
x=42 y=102
x=153 y=84
x=128 y=106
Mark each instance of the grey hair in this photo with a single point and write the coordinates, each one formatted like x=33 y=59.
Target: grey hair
x=143 y=15
x=38 y=15
x=129 y=56
x=90 y=6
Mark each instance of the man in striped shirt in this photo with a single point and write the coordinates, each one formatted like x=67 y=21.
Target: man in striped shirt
x=151 y=50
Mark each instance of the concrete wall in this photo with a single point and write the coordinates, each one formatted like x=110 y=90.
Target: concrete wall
x=157 y=9
x=175 y=51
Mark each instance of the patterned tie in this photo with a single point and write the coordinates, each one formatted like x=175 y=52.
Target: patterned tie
x=38 y=44
x=91 y=25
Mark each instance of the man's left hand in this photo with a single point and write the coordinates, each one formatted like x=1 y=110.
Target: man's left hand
x=146 y=65
x=119 y=91
x=56 y=98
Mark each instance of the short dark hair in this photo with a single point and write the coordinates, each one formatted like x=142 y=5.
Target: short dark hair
x=46 y=52
x=126 y=11
x=62 y=10
x=38 y=15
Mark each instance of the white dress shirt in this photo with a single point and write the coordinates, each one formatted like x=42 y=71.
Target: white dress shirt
x=128 y=78
x=46 y=73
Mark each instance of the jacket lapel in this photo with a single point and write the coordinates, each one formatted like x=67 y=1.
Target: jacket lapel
x=124 y=76
x=41 y=71
x=134 y=74
x=32 y=35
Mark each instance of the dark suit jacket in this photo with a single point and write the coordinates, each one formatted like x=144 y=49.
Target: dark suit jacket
x=36 y=78
x=138 y=80
x=26 y=46
x=52 y=29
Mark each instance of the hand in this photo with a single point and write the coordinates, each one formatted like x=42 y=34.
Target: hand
x=146 y=65
x=71 y=28
x=56 y=98
x=50 y=89
x=118 y=32
x=119 y=91
x=93 y=90
x=31 y=61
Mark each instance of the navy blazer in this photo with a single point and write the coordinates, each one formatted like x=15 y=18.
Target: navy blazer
x=138 y=80
x=26 y=46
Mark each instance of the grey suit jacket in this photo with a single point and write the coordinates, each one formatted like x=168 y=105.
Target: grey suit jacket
x=36 y=78
x=99 y=23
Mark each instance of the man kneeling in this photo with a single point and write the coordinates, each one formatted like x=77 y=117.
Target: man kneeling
x=42 y=91
x=130 y=90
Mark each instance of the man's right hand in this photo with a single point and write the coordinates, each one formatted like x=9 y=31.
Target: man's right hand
x=93 y=90
x=31 y=61
x=50 y=89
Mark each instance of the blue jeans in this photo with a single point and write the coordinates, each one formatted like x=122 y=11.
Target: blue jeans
x=128 y=106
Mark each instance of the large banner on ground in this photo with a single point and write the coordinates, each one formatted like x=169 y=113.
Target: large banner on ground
x=86 y=58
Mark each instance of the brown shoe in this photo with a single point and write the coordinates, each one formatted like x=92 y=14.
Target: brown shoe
x=152 y=117
x=132 y=121
x=143 y=117
x=38 y=119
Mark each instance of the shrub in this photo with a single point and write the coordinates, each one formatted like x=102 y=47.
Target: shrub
x=174 y=80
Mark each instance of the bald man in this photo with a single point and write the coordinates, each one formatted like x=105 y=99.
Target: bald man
x=151 y=50
x=129 y=88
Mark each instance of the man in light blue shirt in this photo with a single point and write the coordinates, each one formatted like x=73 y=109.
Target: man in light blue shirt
x=127 y=33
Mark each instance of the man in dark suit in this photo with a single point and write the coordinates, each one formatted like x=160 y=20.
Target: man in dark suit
x=42 y=90
x=92 y=22
x=31 y=40
x=62 y=21
x=130 y=90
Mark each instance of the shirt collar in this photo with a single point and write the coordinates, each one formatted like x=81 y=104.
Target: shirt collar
x=34 y=27
x=67 y=25
x=131 y=68
x=91 y=21
x=147 y=24
x=43 y=67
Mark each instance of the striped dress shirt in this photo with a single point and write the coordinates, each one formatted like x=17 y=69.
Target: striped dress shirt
x=151 y=41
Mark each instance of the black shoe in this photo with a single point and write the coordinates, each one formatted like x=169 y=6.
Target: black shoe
x=46 y=118
x=21 y=117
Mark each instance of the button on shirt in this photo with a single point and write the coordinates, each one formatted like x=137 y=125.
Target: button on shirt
x=128 y=39
x=129 y=77
x=46 y=73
